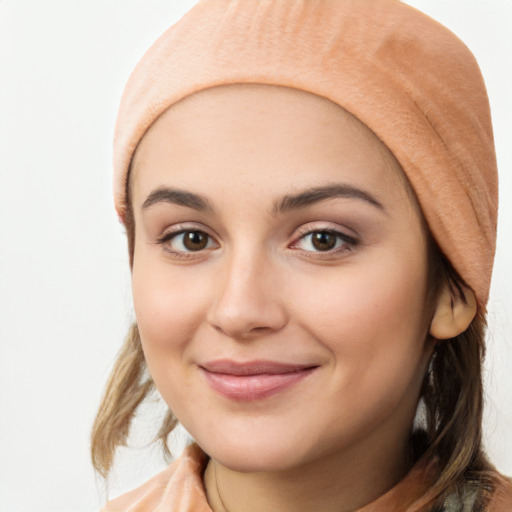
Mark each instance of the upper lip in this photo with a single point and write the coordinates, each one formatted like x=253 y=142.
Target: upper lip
x=259 y=367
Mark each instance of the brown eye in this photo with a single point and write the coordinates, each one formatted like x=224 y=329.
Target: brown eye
x=323 y=240
x=195 y=240
x=187 y=241
x=326 y=240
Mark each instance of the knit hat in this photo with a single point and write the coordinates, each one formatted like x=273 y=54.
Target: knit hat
x=408 y=78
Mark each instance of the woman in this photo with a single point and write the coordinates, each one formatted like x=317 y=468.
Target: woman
x=311 y=220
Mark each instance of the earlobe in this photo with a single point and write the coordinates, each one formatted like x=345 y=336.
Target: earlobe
x=453 y=312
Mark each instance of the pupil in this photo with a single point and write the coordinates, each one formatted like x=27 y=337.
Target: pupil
x=195 y=240
x=323 y=240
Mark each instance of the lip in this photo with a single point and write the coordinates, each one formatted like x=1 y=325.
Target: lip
x=253 y=380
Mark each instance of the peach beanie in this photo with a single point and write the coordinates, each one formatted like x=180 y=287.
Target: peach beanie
x=409 y=79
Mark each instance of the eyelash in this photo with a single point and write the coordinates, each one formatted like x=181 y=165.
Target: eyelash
x=348 y=243
x=166 y=238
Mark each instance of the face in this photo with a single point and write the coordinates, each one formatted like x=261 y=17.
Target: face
x=279 y=277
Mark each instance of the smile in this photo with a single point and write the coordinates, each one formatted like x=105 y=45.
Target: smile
x=253 y=380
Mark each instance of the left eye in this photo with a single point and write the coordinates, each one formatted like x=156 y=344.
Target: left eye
x=323 y=241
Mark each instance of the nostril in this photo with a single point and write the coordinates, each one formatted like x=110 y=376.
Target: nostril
x=241 y=333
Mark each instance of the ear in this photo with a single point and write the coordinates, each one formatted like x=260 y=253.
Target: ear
x=453 y=312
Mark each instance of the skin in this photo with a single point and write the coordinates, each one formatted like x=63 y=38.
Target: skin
x=260 y=289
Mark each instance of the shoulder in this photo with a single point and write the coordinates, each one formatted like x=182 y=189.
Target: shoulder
x=501 y=500
x=497 y=500
x=178 y=487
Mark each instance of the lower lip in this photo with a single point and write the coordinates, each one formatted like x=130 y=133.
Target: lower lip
x=254 y=387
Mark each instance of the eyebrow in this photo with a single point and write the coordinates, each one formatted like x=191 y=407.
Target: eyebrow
x=318 y=194
x=179 y=197
x=287 y=203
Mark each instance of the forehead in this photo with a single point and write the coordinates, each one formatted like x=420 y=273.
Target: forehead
x=248 y=130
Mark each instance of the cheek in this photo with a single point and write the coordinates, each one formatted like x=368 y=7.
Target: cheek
x=384 y=292
x=168 y=308
x=372 y=319
x=376 y=335
x=168 y=312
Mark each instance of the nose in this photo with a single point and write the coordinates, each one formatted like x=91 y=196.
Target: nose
x=248 y=301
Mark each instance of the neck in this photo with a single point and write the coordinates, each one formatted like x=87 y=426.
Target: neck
x=359 y=480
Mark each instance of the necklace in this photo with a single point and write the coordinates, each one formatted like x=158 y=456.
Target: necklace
x=217 y=488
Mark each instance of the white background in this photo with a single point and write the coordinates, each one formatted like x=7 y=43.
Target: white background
x=64 y=281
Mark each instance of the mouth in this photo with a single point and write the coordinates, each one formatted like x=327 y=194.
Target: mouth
x=253 y=380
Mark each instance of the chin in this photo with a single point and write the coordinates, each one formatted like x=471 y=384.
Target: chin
x=251 y=454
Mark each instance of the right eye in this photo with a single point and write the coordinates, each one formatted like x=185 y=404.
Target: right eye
x=187 y=241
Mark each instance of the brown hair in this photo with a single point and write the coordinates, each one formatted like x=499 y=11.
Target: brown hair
x=448 y=427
